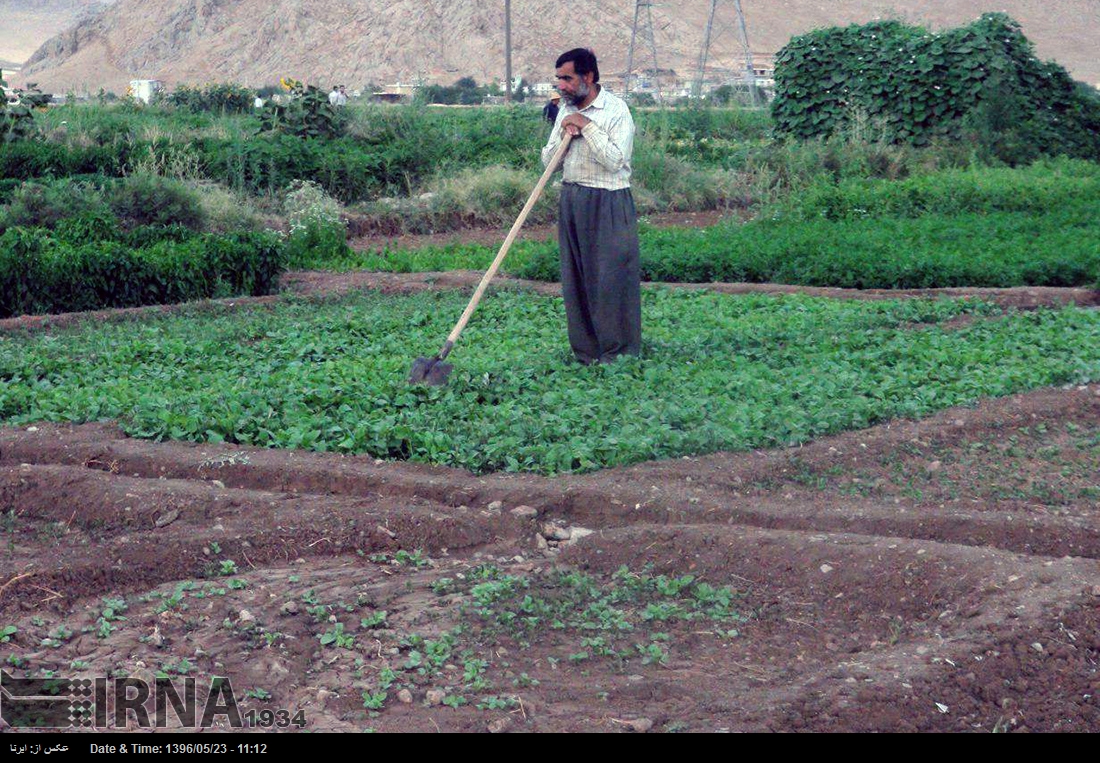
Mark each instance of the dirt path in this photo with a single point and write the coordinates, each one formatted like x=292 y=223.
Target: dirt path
x=941 y=574
x=372 y=241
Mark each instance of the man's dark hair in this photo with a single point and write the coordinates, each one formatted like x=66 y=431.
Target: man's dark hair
x=584 y=61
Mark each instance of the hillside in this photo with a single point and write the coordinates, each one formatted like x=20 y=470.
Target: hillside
x=255 y=42
x=29 y=23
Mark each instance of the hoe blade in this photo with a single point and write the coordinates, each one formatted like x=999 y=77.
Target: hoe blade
x=430 y=371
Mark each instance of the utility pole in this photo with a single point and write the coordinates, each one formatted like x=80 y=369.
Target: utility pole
x=647 y=36
x=507 y=51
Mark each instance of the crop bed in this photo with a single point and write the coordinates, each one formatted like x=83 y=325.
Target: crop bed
x=932 y=574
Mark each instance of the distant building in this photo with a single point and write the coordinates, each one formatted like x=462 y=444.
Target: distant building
x=144 y=89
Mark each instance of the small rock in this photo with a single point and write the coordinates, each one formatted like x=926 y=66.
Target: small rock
x=576 y=533
x=960 y=423
x=554 y=532
x=639 y=725
x=934 y=466
x=405 y=697
x=500 y=725
x=386 y=531
x=219 y=484
x=525 y=512
x=323 y=696
x=435 y=696
x=290 y=608
x=1096 y=590
x=517 y=559
x=826 y=569
x=167 y=518
x=540 y=543
x=1038 y=647
x=495 y=506
x=635 y=678
x=245 y=617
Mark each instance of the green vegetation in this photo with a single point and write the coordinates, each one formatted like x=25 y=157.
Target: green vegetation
x=43 y=273
x=917 y=86
x=718 y=373
x=975 y=227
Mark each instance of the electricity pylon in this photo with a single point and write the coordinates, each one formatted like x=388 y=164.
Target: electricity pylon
x=708 y=36
x=647 y=36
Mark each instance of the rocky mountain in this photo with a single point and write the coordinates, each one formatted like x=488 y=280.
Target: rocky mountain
x=26 y=24
x=255 y=42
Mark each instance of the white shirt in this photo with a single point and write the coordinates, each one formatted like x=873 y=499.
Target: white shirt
x=600 y=156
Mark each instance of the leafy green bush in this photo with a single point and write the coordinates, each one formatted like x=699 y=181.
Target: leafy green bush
x=317 y=232
x=155 y=200
x=40 y=273
x=44 y=204
x=225 y=98
x=917 y=85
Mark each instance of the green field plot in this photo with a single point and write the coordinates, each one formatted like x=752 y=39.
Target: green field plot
x=1035 y=226
x=717 y=373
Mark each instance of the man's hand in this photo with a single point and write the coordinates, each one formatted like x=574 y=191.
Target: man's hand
x=574 y=123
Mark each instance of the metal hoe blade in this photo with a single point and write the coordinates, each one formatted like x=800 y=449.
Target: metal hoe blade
x=432 y=372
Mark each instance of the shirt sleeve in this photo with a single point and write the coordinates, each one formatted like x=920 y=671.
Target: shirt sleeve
x=611 y=147
x=555 y=139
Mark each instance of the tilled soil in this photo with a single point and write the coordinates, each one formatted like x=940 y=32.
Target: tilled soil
x=941 y=574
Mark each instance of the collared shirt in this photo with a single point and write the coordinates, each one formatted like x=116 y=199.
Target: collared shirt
x=602 y=158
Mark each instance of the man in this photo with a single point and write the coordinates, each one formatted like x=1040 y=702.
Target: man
x=597 y=224
x=550 y=110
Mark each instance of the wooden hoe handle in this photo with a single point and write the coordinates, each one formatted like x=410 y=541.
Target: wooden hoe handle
x=492 y=271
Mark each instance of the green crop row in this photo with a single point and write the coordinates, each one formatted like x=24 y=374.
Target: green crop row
x=44 y=273
x=716 y=373
x=978 y=227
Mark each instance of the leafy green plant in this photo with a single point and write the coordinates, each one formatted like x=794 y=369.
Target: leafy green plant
x=920 y=85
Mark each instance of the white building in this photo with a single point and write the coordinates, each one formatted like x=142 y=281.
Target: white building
x=144 y=89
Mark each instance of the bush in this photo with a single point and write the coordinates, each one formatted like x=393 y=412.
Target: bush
x=222 y=98
x=920 y=86
x=44 y=204
x=154 y=200
x=317 y=232
x=43 y=274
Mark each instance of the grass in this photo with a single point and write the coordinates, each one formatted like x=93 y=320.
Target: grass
x=718 y=373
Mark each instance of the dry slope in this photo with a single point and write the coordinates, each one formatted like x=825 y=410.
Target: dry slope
x=257 y=41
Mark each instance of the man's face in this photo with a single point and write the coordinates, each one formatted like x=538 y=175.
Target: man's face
x=572 y=85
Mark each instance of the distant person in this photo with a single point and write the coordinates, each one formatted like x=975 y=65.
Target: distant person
x=258 y=103
x=337 y=97
x=343 y=96
x=550 y=110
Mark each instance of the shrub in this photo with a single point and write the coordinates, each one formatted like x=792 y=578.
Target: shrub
x=43 y=274
x=44 y=204
x=225 y=98
x=154 y=200
x=317 y=232
x=920 y=86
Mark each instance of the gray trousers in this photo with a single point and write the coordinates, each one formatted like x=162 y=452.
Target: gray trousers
x=600 y=272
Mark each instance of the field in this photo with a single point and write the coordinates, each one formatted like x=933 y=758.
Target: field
x=850 y=485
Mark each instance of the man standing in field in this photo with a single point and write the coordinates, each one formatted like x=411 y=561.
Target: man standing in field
x=597 y=224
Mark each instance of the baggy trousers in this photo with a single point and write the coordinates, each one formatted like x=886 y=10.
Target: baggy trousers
x=600 y=272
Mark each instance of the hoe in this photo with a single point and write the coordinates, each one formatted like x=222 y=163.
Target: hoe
x=433 y=371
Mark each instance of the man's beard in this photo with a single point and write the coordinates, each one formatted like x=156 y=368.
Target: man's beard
x=581 y=93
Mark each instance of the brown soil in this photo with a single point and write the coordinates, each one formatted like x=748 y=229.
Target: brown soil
x=364 y=238
x=939 y=574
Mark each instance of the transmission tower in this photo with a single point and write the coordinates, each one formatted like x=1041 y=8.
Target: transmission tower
x=710 y=33
x=643 y=7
